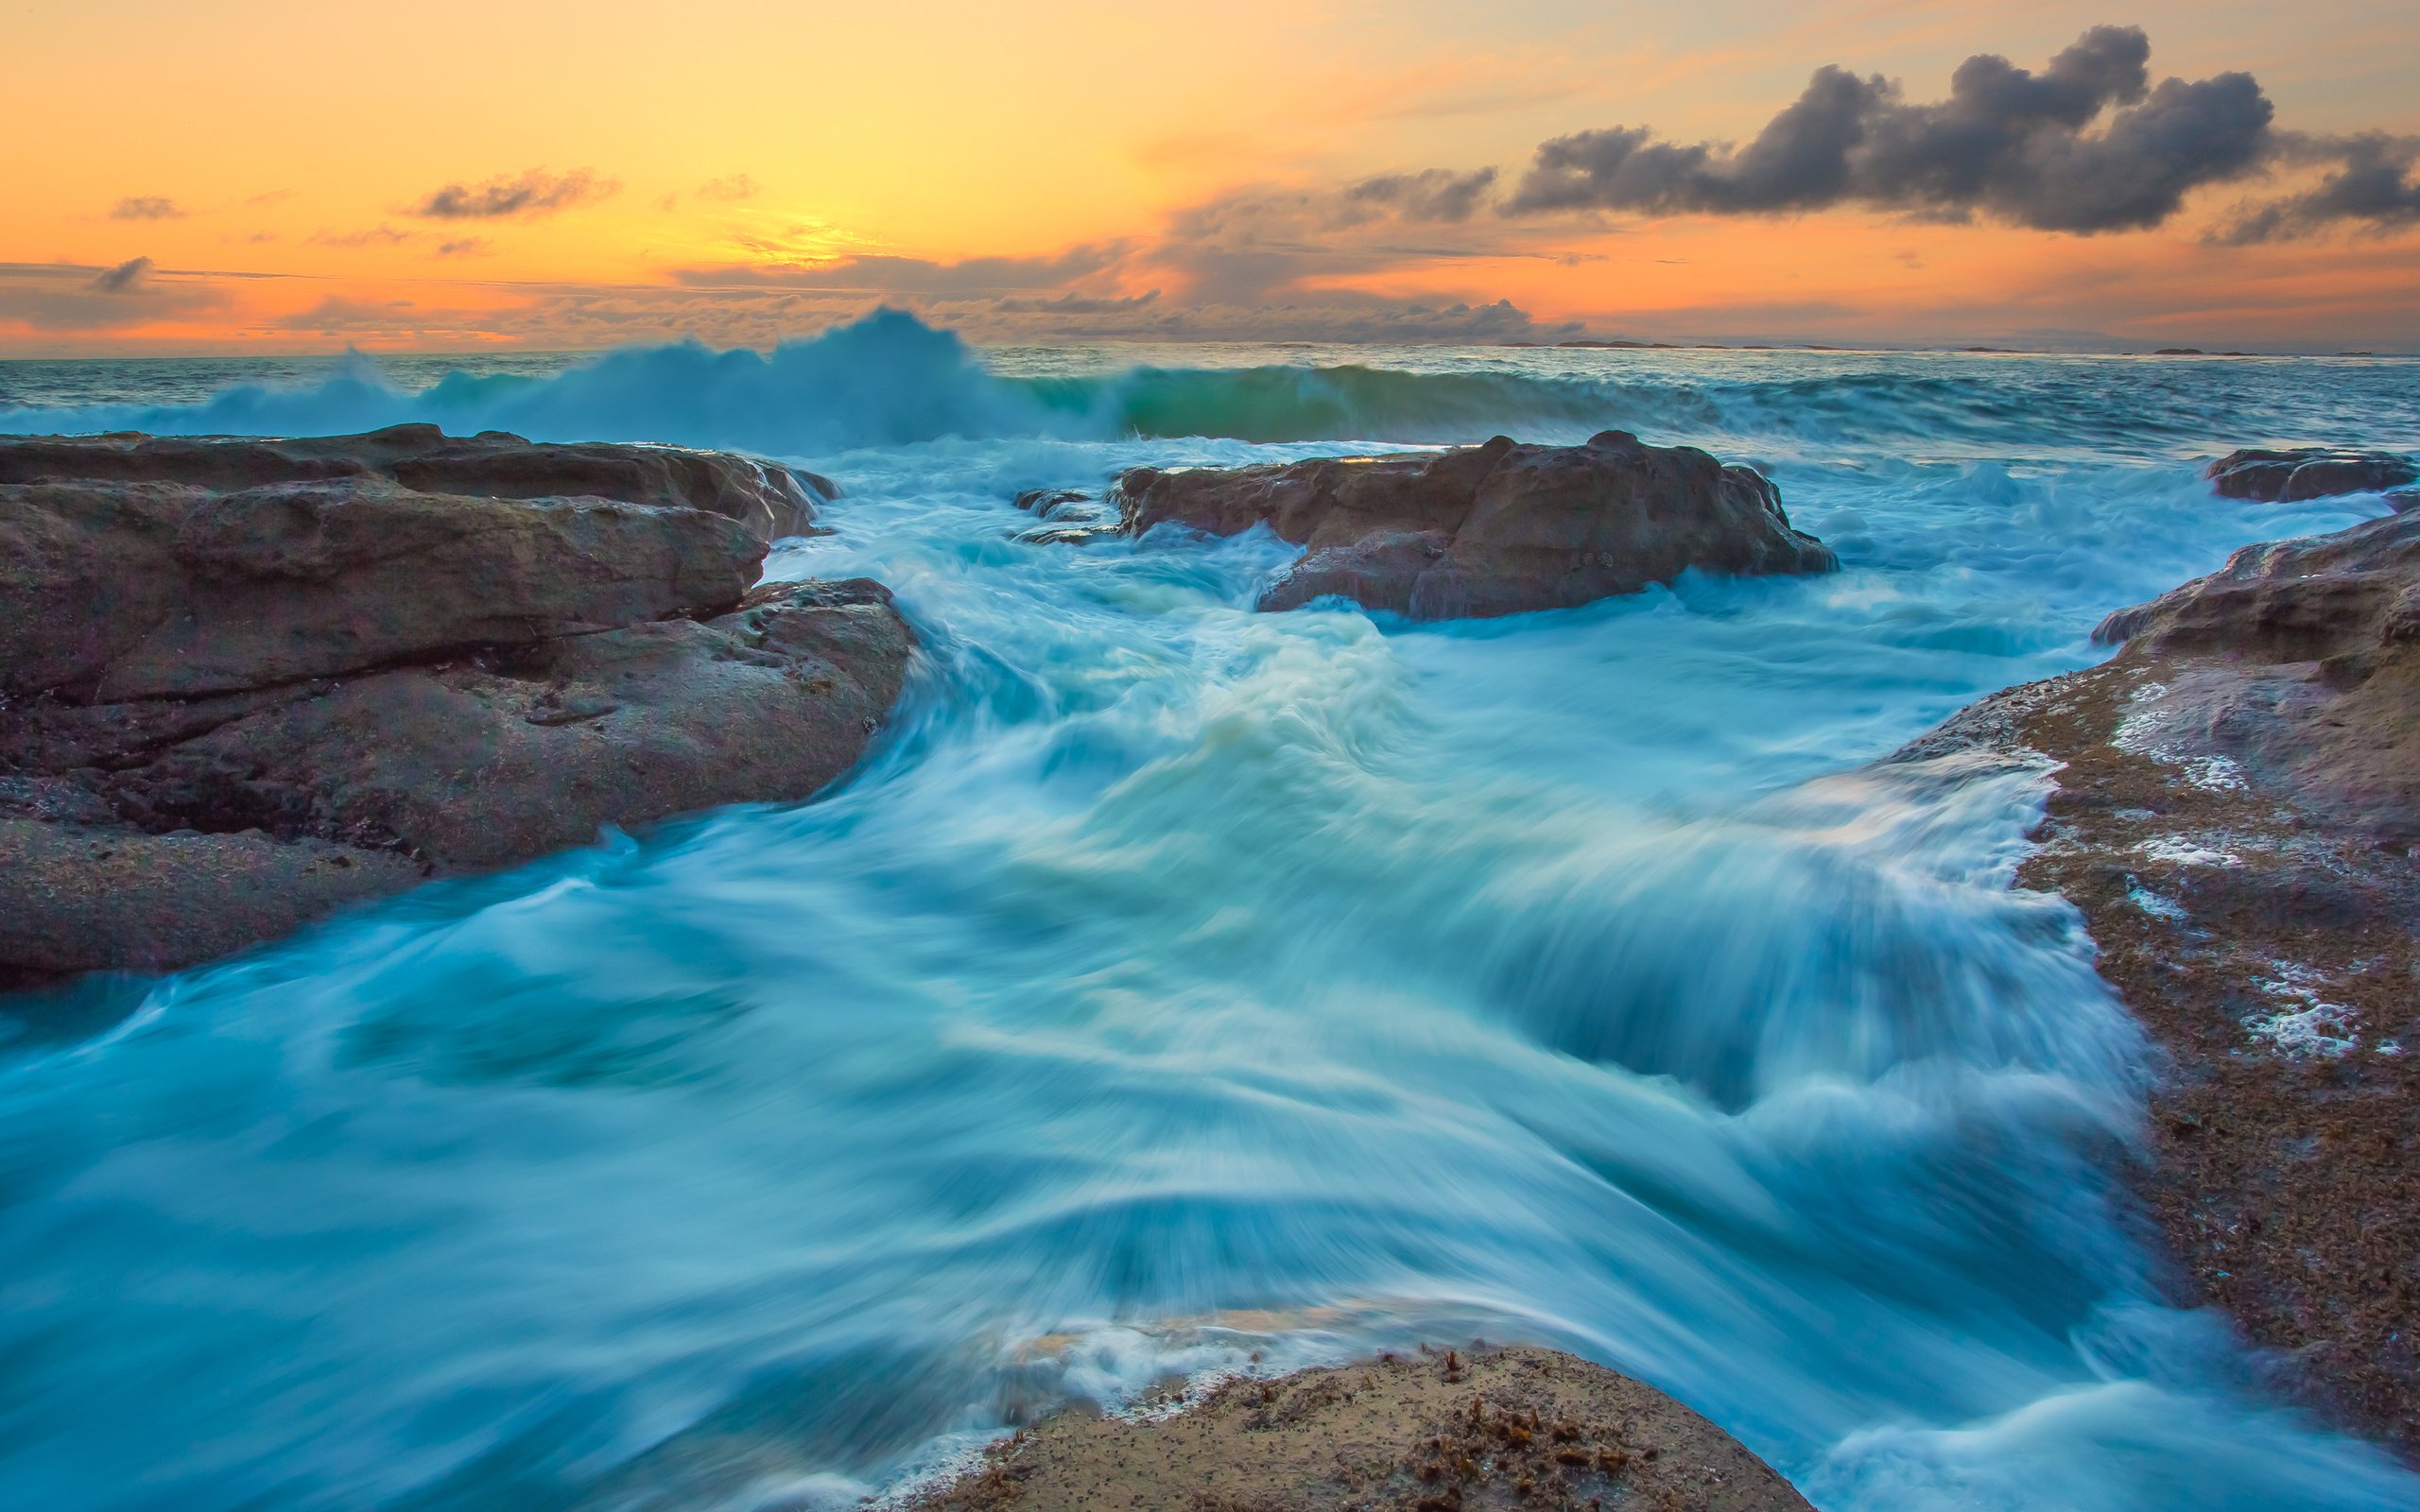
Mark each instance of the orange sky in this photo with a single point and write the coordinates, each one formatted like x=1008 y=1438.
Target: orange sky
x=756 y=168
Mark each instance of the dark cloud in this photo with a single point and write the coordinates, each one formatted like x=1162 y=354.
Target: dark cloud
x=65 y=297
x=146 y=207
x=884 y=274
x=2087 y=145
x=338 y=314
x=2372 y=178
x=534 y=193
x=1436 y=194
x=130 y=277
x=465 y=247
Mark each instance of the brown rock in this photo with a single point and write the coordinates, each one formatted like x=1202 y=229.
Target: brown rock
x=115 y=591
x=2237 y=818
x=770 y=500
x=225 y=712
x=1468 y=1430
x=2308 y=472
x=2299 y=660
x=1496 y=529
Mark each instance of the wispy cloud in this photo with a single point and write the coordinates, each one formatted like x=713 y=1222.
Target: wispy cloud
x=146 y=207
x=379 y=236
x=535 y=192
x=878 y=273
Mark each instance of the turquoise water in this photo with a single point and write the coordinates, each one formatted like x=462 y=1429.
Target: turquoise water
x=1176 y=990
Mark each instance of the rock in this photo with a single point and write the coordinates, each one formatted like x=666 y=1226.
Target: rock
x=1075 y=517
x=770 y=500
x=2308 y=472
x=111 y=591
x=2237 y=817
x=226 y=710
x=2307 y=656
x=1482 y=1428
x=1496 y=529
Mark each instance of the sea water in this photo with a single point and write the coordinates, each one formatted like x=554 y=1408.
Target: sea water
x=1175 y=991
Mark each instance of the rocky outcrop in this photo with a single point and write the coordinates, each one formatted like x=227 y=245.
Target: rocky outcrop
x=1496 y=529
x=228 y=706
x=2310 y=473
x=1482 y=1428
x=2236 y=815
x=767 y=499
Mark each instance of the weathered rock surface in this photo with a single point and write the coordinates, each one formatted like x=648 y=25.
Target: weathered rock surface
x=228 y=707
x=771 y=501
x=115 y=591
x=1496 y=529
x=2309 y=472
x=2236 y=810
x=1478 y=1429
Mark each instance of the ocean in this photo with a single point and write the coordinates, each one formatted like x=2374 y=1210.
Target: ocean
x=1176 y=990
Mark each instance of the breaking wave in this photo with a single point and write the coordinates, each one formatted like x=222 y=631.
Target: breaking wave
x=891 y=380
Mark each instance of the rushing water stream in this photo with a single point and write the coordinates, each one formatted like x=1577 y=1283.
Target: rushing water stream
x=1176 y=988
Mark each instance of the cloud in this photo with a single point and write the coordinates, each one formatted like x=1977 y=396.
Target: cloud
x=465 y=247
x=2376 y=179
x=2088 y=145
x=533 y=193
x=730 y=186
x=1436 y=194
x=381 y=235
x=881 y=273
x=339 y=313
x=1076 y=304
x=66 y=296
x=146 y=207
x=130 y=277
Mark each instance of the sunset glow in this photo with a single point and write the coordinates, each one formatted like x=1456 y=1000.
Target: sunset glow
x=273 y=175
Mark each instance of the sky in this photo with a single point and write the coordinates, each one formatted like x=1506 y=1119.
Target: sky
x=277 y=176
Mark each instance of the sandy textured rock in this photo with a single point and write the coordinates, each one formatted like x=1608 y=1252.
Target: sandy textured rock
x=1496 y=529
x=1461 y=1429
x=2308 y=472
x=2236 y=810
x=225 y=710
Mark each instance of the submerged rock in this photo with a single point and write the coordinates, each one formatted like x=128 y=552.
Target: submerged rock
x=2309 y=472
x=1496 y=529
x=1075 y=517
x=1502 y=1428
x=2236 y=814
x=229 y=705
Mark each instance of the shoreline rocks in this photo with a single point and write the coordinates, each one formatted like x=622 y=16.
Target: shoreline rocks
x=2236 y=814
x=1460 y=1429
x=243 y=683
x=1502 y=528
x=2297 y=473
